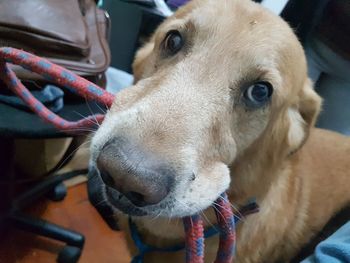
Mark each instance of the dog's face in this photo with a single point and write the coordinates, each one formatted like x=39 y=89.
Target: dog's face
x=216 y=79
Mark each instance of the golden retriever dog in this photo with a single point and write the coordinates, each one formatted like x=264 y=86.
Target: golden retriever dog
x=221 y=102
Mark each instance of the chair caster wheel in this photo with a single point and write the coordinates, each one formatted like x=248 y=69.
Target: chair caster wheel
x=58 y=193
x=69 y=254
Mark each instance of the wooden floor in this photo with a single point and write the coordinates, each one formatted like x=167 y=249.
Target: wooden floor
x=102 y=245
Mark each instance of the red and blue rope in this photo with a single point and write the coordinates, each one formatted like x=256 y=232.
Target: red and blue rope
x=195 y=238
x=226 y=224
x=55 y=74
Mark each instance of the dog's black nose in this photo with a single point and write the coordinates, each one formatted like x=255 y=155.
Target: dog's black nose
x=140 y=176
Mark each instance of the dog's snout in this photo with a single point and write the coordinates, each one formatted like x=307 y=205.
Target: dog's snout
x=139 y=176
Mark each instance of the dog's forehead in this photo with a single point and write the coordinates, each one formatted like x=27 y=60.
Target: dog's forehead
x=235 y=26
x=239 y=22
x=249 y=33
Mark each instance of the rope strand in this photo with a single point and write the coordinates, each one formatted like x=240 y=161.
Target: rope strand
x=194 y=240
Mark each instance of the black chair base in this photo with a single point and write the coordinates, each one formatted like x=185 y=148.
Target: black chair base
x=54 y=188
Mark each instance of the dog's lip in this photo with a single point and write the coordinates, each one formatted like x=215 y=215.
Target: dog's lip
x=120 y=202
x=116 y=201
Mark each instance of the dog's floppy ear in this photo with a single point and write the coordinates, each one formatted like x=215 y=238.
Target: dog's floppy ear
x=142 y=60
x=303 y=115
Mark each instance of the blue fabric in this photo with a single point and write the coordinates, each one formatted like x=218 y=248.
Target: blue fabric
x=51 y=96
x=117 y=80
x=335 y=249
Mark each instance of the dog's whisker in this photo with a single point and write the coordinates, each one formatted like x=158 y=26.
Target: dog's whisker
x=183 y=204
x=104 y=111
x=206 y=218
x=101 y=202
x=236 y=210
x=72 y=153
x=237 y=215
x=82 y=130
x=240 y=217
x=170 y=217
x=94 y=120
x=92 y=114
x=157 y=216
x=197 y=208
x=89 y=130
x=217 y=210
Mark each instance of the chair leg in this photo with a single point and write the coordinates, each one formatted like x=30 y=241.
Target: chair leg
x=47 y=229
x=58 y=193
x=74 y=241
x=42 y=188
x=52 y=185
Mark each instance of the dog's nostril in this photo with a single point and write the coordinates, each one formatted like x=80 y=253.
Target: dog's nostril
x=107 y=179
x=143 y=178
x=136 y=198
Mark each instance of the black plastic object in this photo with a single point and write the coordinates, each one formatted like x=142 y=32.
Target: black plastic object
x=44 y=228
x=69 y=254
x=14 y=216
x=58 y=193
x=96 y=189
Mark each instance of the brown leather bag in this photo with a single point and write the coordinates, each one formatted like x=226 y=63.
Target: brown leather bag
x=71 y=33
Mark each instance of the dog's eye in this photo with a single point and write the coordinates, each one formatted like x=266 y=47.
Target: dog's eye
x=257 y=94
x=173 y=42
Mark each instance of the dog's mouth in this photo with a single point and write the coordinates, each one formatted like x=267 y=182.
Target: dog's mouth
x=108 y=200
x=122 y=203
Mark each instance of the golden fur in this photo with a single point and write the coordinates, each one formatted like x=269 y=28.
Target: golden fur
x=298 y=174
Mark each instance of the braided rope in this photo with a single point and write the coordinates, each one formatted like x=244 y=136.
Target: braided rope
x=226 y=223
x=194 y=234
x=54 y=73
x=194 y=239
